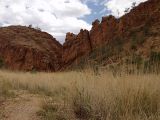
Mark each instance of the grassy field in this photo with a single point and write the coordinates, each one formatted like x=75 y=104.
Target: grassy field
x=86 y=96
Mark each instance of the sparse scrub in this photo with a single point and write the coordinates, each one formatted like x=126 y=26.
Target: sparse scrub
x=81 y=103
x=128 y=98
x=52 y=110
x=155 y=56
x=5 y=93
x=48 y=111
x=86 y=96
x=5 y=90
x=152 y=65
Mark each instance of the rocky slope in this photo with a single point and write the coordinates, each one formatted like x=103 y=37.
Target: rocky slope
x=24 y=48
x=137 y=32
x=76 y=46
x=109 y=41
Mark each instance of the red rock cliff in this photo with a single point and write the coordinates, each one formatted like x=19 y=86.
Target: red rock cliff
x=23 y=48
x=109 y=29
x=76 y=46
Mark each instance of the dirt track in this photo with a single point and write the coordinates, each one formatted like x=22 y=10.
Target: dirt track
x=23 y=107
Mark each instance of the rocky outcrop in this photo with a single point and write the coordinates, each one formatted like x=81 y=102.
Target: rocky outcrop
x=23 y=48
x=104 y=31
x=76 y=46
x=70 y=37
x=140 y=15
x=111 y=29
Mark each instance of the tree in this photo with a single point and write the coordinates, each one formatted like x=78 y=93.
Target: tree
x=133 y=4
x=126 y=10
x=30 y=26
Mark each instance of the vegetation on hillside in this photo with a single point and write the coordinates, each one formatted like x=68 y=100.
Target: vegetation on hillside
x=140 y=48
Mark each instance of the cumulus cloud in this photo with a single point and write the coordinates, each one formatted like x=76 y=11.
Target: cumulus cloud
x=117 y=7
x=54 y=16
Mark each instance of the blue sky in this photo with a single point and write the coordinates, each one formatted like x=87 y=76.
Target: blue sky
x=101 y=8
x=58 y=17
x=98 y=10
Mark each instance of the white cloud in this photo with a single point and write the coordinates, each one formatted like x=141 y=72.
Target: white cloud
x=54 y=16
x=117 y=7
x=95 y=2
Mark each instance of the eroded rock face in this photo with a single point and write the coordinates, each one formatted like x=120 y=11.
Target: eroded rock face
x=139 y=15
x=111 y=29
x=27 y=49
x=24 y=48
x=104 y=31
x=70 y=37
x=76 y=46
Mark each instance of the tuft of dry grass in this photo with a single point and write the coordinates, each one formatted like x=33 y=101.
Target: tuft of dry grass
x=84 y=95
x=5 y=90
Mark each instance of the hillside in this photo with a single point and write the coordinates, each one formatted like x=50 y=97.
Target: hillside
x=136 y=35
x=24 y=48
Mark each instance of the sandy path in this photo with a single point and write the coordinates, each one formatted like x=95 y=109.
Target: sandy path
x=24 y=107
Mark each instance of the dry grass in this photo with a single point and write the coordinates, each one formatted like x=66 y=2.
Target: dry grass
x=5 y=90
x=83 y=95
